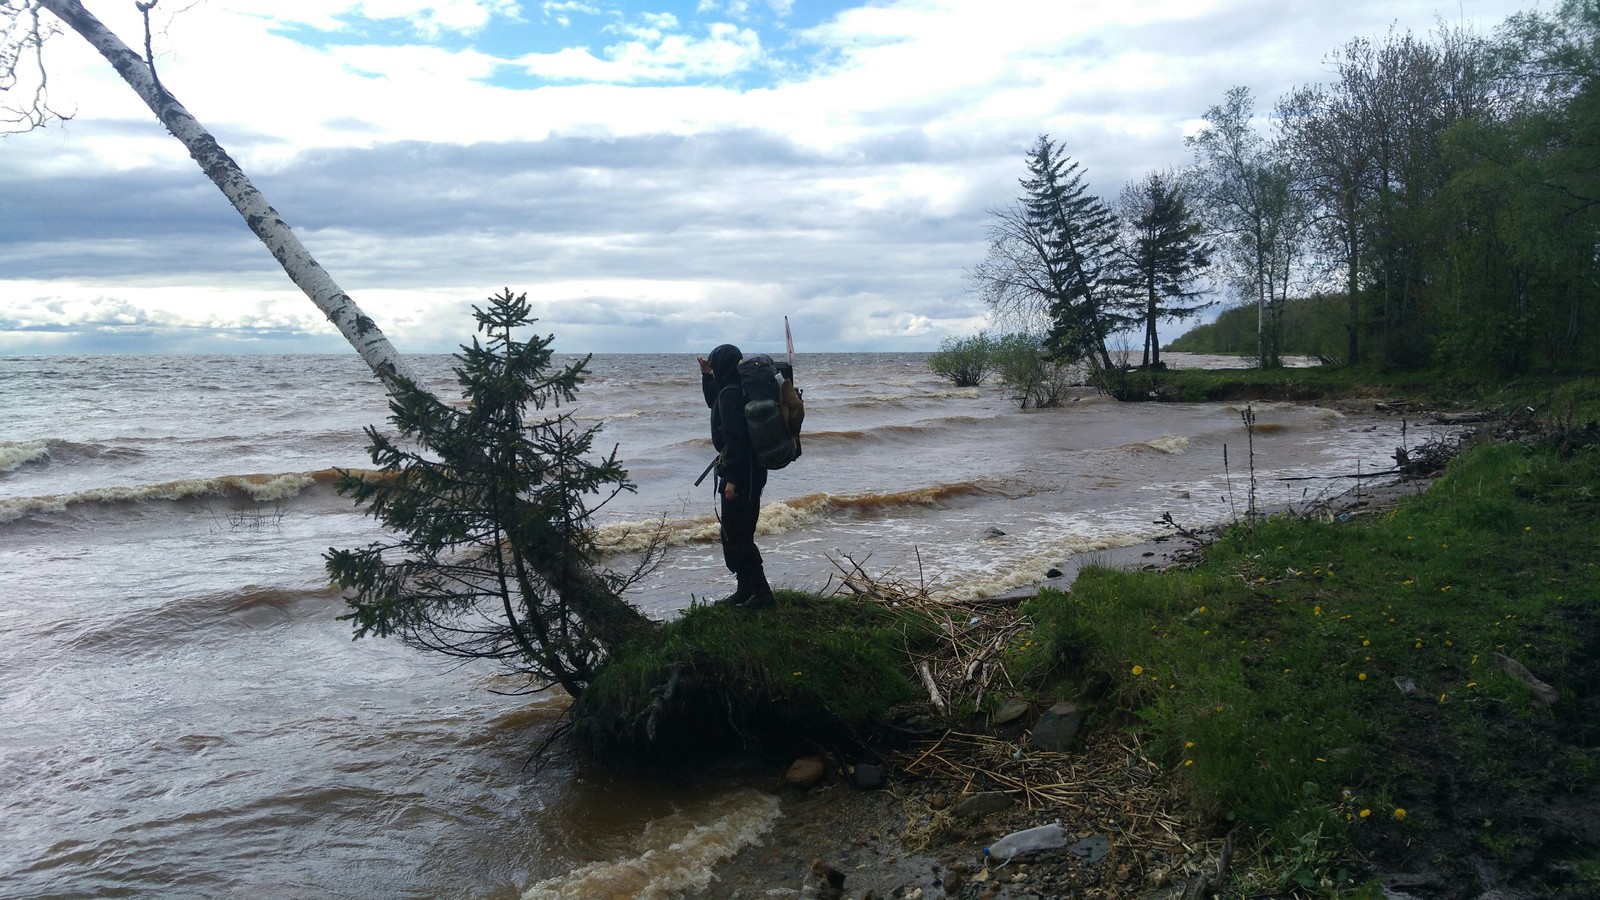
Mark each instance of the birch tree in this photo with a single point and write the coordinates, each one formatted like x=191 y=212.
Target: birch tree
x=140 y=74
x=592 y=598
x=1244 y=186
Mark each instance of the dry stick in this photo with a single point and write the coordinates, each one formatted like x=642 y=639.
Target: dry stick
x=931 y=685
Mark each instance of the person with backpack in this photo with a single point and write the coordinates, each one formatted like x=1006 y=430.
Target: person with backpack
x=740 y=478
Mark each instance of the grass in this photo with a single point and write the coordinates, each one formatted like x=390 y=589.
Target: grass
x=1550 y=396
x=811 y=670
x=1331 y=693
x=1269 y=678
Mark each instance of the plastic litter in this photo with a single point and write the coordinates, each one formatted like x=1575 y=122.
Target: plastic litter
x=1043 y=837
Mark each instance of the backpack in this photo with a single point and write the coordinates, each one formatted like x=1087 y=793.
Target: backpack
x=773 y=411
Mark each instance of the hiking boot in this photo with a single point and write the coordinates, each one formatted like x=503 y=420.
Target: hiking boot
x=759 y=601
x=743 y=592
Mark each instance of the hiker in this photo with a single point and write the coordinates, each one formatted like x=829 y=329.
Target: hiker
x=739 y=478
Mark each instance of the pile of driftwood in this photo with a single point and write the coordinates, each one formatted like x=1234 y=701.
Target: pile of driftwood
x=974 y=634
x=1108 y=786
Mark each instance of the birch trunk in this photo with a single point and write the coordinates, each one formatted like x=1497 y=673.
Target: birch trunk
x=602 y=610
x=362 y=333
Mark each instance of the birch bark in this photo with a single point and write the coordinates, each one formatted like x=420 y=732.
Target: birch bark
x=602 y=610
x=362 y=333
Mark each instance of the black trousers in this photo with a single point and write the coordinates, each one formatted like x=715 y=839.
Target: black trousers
x=739 y=550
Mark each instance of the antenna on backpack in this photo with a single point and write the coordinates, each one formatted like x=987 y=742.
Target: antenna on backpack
x=788 y=338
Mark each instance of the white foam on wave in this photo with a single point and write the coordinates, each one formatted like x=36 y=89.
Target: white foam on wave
x=680 y=862
x=14 y=453
x=1018 y=561
x=1167 y=443
x=262 y=488
x=778 y=517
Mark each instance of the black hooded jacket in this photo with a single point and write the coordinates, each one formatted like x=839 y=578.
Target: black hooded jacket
x=729 y=434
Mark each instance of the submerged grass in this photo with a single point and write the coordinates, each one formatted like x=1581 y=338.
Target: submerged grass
x=1341 y=687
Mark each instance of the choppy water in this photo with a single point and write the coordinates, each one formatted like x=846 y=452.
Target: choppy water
x=181 y=715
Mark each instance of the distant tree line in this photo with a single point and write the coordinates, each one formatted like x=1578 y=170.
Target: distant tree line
x=1439 y=197
x=1311 y=326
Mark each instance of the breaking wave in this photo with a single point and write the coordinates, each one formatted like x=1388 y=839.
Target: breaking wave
x=681 y=861
x=262 y=488
x=13 y=454
x=1167 y=443
x=783 y=516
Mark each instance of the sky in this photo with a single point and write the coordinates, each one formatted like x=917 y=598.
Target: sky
x=656 y=175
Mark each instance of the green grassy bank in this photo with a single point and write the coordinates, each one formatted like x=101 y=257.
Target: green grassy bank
x=1340 y=691
x=1411 y=690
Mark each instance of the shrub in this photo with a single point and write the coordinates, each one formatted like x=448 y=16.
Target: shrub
x=965 y=361
x=1031 y=375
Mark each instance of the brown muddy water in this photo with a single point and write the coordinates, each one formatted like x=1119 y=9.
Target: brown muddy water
x=181 y=713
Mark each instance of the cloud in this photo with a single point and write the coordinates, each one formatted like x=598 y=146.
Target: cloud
x=655 y=50
x=653 y=180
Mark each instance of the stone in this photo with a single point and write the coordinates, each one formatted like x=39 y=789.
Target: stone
x=1010 y=711
x=805 y=772
x=1091 y=849
x=982 y=804
x=1058 y=728
x=1406 y=686
x=822 y=882
x=866 y=777
x=1544 y=693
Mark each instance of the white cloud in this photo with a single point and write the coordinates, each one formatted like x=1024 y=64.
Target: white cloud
x=646 y=193
x=656 y=52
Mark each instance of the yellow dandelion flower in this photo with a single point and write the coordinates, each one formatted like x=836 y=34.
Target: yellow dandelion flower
x=1138 y=670
x=1188 y=744
x=1362 y=677
x=1399 y=814
x=1417 y=645
x=1442 y=696
x=1472 y=684
x=1409 y=581
x=1316 y=610
x=1366 y=643
x=1188 y=762
x=1365 y=813
x=797 y=674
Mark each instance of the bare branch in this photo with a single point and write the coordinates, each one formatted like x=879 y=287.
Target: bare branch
x=23 y=79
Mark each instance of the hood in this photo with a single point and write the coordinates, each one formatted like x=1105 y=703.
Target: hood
x=724 y=362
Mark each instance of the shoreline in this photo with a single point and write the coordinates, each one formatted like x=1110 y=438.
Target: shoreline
x=872 y=837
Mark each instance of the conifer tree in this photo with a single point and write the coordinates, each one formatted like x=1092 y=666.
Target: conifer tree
x=1162 y=256
x=491 y=502
x=1051 y=260
x=1078 y=235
